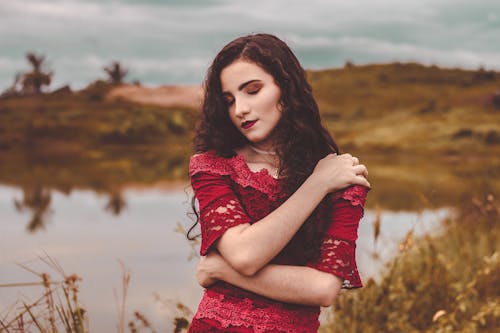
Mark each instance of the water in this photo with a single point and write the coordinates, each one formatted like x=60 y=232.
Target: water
x=88 y=240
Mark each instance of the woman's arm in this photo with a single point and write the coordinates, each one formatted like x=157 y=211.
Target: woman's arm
x=290 y=284
x=249 y=247
x=320 y=282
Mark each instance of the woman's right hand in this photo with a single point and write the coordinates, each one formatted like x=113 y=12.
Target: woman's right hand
x=340 y=171
x=208 y=268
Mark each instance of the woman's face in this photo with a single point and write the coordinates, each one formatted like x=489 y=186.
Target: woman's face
x=253 y=100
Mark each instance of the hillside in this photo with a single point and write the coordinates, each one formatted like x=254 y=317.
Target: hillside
x=428 y=135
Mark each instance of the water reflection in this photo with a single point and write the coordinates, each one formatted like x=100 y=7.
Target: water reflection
x=36 y=200
x=87 y=240
x=116 y=202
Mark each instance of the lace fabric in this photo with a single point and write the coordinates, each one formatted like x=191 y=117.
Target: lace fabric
x=271 y=317
x=237 y=169
x=355 y=195
x=229 y=194
x=338 y=258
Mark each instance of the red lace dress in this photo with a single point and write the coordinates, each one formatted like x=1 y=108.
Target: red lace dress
x=229 y=194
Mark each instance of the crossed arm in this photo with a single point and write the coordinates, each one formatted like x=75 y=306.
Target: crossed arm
x=291 y=284
x=244 y=251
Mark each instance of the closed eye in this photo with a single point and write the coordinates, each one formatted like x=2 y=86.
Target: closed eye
x=228 y=99
x=253 y=88
x=253 y=92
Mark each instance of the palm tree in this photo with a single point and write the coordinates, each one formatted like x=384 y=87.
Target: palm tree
x=32 y=82
x=116 y=72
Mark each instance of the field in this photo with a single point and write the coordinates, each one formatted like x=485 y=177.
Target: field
x=429 y=136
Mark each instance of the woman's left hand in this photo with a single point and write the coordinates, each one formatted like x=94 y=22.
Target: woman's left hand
x=209 y=268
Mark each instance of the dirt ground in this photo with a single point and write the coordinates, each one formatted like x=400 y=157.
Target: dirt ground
x=188 y=96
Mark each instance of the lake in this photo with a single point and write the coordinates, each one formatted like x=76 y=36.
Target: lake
x=91 y=240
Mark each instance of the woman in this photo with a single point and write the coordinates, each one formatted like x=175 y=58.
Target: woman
x=278 y=208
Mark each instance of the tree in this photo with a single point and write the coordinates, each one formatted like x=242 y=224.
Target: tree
x=32 y=82
x=116 y=72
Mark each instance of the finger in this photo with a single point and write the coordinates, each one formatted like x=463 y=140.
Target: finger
x=360 y=180
x=355 y=161
x=346 y=155
x=361 y=169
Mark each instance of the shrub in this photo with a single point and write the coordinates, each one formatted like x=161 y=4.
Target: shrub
x=445 y=283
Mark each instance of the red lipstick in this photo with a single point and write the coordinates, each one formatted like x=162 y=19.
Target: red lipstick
x=248 y=124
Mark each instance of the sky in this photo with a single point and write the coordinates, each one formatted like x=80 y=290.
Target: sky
x=174 y=41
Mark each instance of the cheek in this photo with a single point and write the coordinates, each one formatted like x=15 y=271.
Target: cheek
x=274 y=98
x=232 y=117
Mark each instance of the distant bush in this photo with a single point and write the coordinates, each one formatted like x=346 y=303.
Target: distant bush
x=492 y=137
x=97 y=90
x=133 y=130
x=430 y=107
x=495 y=100
x=482 y=75
x=178 y=123
x=64 y=90
x=463 y=133
x=349 y=64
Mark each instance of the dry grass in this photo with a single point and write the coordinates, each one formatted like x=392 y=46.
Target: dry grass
x=57 y=310
x=441 y=283
x=424 y=130
x=430 y=138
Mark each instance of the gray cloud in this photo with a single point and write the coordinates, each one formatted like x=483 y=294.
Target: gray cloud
x=173 y=41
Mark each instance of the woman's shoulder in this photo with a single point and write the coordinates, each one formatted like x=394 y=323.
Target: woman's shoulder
x=355 y=194
x=210 y=162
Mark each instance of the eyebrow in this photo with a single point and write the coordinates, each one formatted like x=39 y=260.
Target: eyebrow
x=243 y=85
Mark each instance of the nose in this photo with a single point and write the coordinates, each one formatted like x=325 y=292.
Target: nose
x=241 y=107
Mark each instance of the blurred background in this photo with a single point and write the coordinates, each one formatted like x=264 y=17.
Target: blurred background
x=98 y=101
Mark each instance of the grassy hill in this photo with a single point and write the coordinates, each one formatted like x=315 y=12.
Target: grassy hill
x=411 y=108
x=428 y=135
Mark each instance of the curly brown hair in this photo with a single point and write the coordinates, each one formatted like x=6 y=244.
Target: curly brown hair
x=301 y=139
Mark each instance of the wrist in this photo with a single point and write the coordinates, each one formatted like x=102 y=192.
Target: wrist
x=315 y=182
x=219 y=270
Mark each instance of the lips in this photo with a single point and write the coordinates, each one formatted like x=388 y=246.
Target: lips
x=247 y=124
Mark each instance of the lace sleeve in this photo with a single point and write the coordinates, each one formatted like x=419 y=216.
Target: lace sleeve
x=220 y=208
x=338 y=249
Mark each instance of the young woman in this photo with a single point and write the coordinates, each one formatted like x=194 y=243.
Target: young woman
x=278 y=207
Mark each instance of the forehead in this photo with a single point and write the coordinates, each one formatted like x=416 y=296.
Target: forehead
x=241 y=71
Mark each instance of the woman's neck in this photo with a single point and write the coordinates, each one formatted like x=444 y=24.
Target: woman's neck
x=262 y=151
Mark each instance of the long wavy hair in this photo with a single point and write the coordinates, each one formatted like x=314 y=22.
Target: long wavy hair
x=301 y=140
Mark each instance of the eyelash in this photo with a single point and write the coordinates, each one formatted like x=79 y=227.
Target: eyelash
x=250 y=92
x=253 y=92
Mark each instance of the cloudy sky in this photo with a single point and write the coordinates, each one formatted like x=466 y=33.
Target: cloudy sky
x=173 y=41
